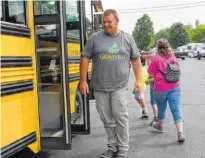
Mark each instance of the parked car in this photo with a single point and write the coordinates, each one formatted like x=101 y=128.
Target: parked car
x=181 y=52
x=153 y=51
x=191 y=47
x=179 y=56
x=144 y=53
x=200 y=52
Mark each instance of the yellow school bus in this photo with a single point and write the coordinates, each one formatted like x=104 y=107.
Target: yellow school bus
x=41 y=106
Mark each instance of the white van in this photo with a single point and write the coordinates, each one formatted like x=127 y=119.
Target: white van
x=200 y=52
x=191 y=48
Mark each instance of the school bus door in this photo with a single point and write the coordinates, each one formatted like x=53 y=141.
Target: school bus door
x=53 y=77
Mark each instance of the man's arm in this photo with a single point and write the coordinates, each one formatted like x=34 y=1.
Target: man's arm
x=84 y=62
x=137 y=68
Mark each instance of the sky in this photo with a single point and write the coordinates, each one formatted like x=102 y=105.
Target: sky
x=189 y=12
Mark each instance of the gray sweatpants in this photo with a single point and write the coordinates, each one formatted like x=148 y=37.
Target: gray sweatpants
x=113 y=110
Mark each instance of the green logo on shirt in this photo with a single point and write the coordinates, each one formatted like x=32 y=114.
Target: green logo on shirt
x=114 y=49
x=113 y=53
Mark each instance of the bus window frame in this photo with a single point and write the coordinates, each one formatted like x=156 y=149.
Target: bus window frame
x=5 y=12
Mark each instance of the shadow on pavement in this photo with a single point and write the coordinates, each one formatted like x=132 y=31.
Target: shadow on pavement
x=27 y=153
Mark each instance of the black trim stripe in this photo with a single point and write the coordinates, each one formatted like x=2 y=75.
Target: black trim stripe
x=49 y=38
x=73 y=78
x=16 y=61
x=15 y=30
x=49 y=78
x=52 y=38
x=73 y=40
x=14 y=88
x=18 y=145
x=74 y=60
x=45 y=60
x=46 y=19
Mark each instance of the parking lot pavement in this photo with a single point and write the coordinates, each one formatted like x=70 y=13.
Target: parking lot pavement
x=144 y=140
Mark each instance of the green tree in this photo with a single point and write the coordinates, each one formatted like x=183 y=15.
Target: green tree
x=198 y=34
x=143 y=32
x=178 y=35
x=188 y=29
x=44 y=7
x=163 y=33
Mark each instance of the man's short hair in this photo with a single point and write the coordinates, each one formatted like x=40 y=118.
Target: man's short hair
x=111 y=11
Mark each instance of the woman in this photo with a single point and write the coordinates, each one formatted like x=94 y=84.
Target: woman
x=164 y=91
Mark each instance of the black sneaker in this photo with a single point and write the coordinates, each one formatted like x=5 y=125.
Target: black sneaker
x=109 y=154
x=144 y=116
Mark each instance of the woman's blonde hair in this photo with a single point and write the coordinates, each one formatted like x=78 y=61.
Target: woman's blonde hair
x=163 y=47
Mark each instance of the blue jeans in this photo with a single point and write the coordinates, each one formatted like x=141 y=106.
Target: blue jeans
x=152 y=99
x=173 y=98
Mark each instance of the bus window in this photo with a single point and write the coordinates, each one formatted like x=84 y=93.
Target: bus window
x=16 y=12
x=45 y=7
x=73 y=27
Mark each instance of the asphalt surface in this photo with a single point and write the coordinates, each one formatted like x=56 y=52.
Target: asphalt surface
x=145 y=142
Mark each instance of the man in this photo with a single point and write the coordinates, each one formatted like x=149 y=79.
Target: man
x=110 y=51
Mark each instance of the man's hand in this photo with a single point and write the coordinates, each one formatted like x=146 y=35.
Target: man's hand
x=137 y=67
x=138 y=87
x=84 y=88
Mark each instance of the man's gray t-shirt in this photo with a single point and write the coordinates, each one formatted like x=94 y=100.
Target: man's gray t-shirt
x=110 y=56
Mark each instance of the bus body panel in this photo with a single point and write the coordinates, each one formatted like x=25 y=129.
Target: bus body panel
x=19 y=108
x=20 y=119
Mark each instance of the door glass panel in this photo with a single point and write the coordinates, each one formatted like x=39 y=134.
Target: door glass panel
x=49 y=80
x=45 y=7
x=1 y=11
x=73 y=44
x=73 y=27
x=72 y=13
